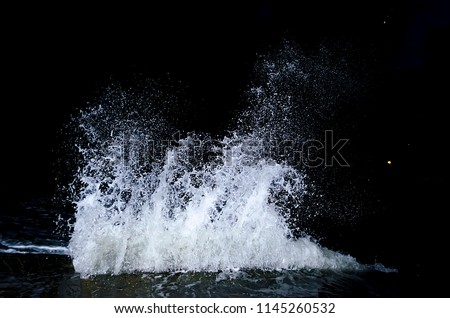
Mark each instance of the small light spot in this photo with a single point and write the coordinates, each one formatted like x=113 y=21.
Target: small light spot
x=389 y=162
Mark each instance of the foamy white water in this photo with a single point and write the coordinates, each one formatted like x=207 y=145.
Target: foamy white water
x=25 y=248
x=213 y=218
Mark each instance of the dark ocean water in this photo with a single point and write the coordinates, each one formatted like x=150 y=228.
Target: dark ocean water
x=53 y=276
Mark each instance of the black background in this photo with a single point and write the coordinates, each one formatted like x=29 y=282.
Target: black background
x=55 y=58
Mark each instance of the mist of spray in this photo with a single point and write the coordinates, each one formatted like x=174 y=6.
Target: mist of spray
x=151 y=200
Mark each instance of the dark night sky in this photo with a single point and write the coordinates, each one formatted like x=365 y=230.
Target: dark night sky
x=54 y=58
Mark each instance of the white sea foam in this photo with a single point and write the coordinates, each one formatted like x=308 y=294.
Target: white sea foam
x=26 y=248
x=204 y=219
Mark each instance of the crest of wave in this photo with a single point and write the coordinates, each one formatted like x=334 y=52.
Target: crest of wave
x=181 y=217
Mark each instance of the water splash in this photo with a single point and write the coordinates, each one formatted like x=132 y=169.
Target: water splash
x=149 y=200
x=28 y=248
